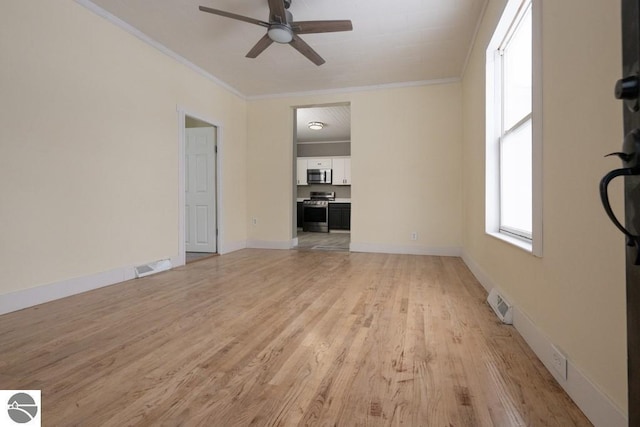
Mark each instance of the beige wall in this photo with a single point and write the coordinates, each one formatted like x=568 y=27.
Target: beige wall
x=406 y=176
x=405 y=152
x=575 y=292
x=89 y=146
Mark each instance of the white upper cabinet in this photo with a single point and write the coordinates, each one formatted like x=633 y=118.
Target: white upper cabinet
x=302 y=171
x=319 y=163
x=341 y=171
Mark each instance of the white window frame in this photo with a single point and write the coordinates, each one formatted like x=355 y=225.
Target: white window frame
x=512 y=12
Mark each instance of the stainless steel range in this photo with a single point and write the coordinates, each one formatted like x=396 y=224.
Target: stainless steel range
x=316 y=211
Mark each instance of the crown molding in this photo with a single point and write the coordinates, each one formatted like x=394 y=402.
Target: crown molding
x=159 y=46
x=88 y=4
x=338 y=91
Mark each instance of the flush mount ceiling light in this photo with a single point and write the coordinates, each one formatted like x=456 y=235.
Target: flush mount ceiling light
x=316 y=125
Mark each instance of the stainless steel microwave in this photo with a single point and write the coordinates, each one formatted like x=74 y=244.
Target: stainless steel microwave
x=318 y=176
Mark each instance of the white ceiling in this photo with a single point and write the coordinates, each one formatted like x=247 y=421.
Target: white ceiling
x=337 y=121
x=392 y=42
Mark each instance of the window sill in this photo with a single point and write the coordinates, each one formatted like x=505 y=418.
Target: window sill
x=519 y=243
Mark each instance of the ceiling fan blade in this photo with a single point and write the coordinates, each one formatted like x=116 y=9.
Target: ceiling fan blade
x=277 y=11
x=262 y=44
x=299 y=45
x=310 y=27
x=234 y=16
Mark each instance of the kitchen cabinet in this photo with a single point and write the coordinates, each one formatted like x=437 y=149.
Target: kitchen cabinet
x=319 y=163
x=302 y=171
x=339 y=216
x=341 y=171
x=300 y=216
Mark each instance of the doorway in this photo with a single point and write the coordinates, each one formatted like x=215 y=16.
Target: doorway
x=200 y=189
x=322 y=148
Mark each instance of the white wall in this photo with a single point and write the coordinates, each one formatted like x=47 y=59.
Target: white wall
x=89 y=146
x=575 y=293
x=405 y=165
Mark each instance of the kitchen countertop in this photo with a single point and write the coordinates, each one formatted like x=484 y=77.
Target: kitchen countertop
x=337 y=200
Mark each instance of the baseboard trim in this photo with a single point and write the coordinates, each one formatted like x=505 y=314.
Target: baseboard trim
x=26 y=298
x=597 y=406
x=228 y=247
x=482 y=277
x=406 y=250
x=270 y=244
x=594 y=403
x=34 y=296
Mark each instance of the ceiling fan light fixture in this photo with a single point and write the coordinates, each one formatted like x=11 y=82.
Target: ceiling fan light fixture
x=280 y=33
x=316 y=125
x=280 y=30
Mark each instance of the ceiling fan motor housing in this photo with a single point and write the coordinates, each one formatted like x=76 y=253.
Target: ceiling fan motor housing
x=281 y=32
x=289 y=17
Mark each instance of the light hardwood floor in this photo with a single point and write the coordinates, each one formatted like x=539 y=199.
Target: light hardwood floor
x=197 y=256
x=261 y=337
x=323 y=241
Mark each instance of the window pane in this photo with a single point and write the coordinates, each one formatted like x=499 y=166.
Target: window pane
x=517 y=74
x=515 y=179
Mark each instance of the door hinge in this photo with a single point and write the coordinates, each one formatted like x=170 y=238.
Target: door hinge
x=215 y=148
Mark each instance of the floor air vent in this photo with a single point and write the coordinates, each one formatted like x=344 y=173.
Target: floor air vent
x=503 y=309
x=153 y=267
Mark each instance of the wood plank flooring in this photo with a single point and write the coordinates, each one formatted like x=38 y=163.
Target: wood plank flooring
x=283 y=338
x=197 y=256
x=308 y=240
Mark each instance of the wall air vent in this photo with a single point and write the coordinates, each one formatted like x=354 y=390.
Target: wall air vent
x=502 y=308
x=153 y=267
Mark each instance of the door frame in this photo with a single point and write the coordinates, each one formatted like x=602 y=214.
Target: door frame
x=294 y=153
x=182 y=114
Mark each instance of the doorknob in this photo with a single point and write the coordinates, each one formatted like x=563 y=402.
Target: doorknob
x=630 y=147
x=628 y=89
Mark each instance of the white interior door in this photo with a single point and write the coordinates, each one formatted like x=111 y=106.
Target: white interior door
x=200 y=188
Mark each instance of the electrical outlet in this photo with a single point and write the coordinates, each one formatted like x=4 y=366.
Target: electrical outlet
x=254 y=221
x=414 y=235
x=559 y=362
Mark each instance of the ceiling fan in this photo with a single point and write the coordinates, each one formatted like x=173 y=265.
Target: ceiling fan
x=281 y=28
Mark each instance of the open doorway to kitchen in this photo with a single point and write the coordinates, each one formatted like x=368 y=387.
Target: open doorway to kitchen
x=322 y=188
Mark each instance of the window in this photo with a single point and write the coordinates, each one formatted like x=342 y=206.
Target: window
x=513 y=147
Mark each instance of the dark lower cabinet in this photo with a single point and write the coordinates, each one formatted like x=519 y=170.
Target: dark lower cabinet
x=339 y=216
x=300 y=215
